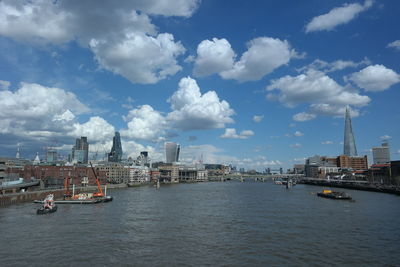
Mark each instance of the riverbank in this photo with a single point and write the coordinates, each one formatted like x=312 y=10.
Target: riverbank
x=354 y=185
x=30 y=196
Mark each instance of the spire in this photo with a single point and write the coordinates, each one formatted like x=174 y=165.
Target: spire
x=349 y=141
x=17 y=156
x=37 y=159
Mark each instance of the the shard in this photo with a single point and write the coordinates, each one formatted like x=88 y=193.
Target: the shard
x=116 y=151
x=349 y=141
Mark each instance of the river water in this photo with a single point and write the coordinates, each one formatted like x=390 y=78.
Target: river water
x=214 y=224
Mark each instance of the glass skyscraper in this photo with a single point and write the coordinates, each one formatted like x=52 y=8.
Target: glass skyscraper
x=172 y=152
x=116 y=151
x=80 y=152
x=349 y=141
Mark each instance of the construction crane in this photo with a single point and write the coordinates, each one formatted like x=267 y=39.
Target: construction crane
x=99 y=193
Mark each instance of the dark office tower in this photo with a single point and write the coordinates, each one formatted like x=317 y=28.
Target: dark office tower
x=349 y=141
x=116 y=151
x=80 y=152
x=172 y=152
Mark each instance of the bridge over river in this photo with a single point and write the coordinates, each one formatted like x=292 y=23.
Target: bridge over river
x=255 y=177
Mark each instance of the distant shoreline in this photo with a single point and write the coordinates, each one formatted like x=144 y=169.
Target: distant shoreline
x=355 y=185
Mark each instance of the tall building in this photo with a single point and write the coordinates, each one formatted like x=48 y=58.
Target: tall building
x=349 y=141
x=381 y=155
x=51 y=156
x=172 y=152
x=116 y=151
x=80 y=152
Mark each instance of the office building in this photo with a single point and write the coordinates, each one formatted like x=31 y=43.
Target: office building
x=355 y=163
x=349 y=140
x=381 y=155
x=80 y=152
x=172 y=152
x=51 y=156
x=116 y=151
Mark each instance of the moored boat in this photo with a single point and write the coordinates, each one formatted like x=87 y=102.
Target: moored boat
x=48 y=205
x=334 y=195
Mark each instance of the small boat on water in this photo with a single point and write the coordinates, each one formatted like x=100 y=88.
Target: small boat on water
x=334 y=195
x=48 y=206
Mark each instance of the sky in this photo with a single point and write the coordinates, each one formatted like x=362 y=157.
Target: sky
x=256 y=84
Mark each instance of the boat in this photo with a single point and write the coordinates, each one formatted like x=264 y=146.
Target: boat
x=48 y=206
x=326 y=193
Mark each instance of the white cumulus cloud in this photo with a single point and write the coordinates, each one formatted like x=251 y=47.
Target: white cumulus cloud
x=96 y=129
x=121 y=35
x=337 y=16
x=193 y=110
x=230 y=133
x=325 y=95
x=144 y=123
x=264 y=54
x=298 y=133
x=314 y=87
x=213 y=57
x=139 y=57
x=303 y=116
x=375 y=78
x=258 y=118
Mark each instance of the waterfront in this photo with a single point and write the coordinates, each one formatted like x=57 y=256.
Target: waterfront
x=218 y=224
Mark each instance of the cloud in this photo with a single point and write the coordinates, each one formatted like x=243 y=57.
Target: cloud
x=96 y=129
x=4 y=85
x=332 y=110
x=230 y=133
x=121 y=35
x=333 y=66
x=337 y=16
x=295 y=146
x=138 y=57
x=298 y=134
x=303 y=116
x=385 y=137
x=395 y=45
x=327 y=143
x=213 y=57
x=144 y=123
x=192 y=110
x=258 y=118
x=375 y=78
x=325 y=96
x=264 y=55
x=314 y=87
x=40 y=113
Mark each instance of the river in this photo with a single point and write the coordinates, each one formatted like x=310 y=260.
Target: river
x=214 y=224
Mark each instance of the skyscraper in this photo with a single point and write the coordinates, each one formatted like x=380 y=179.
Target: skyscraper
x=172 y=152
x=80 y=152
x=381 y=154
x=116 y=151
x=349 y=141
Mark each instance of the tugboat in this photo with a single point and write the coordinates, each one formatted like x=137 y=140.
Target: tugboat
x=334 y=195
x=48 y=206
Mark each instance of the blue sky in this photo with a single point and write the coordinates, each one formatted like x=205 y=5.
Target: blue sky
x=253 y=83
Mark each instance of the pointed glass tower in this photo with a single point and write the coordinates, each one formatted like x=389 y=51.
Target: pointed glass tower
x=349 y=141
x=116 y=151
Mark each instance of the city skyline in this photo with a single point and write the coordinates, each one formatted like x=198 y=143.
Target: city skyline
x=254 y=85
